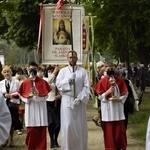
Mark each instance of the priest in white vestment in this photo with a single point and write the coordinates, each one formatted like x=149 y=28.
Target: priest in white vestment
x=5 y=120
x=73 y=104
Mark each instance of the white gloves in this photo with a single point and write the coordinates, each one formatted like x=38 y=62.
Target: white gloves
x=71 y=78
x=76 y=102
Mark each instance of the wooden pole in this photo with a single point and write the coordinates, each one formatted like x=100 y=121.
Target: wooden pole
x=71 y=9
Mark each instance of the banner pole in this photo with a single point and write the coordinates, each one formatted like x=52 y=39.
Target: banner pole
x=71 y=29
x=73 y=67
x=40 y=31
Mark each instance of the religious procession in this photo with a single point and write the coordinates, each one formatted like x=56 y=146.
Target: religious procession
x=70 y=89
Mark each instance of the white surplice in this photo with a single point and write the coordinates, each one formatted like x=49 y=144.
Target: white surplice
x=5 y=120
x=148 y=136
x=52 y=93
x=73 y=118
x=113 y=110
x=35 y=111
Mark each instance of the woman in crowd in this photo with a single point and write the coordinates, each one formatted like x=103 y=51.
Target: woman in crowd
x=53 y=105
x=132 y=99
x=9 y=86
x=21 y=77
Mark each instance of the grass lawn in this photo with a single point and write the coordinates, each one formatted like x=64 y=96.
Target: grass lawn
x=138 y=121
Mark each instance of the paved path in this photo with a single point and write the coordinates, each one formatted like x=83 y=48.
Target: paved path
x=95 y=136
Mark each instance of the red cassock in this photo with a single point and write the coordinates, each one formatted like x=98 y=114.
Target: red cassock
x=36 y=138
x=114 y=131
x=36 y=135
x=103 y=85
x=41 y=85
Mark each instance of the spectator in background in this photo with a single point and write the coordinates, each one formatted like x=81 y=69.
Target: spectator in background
x=134 y=73
x=122 y=68
x=131 y=102
x=13 y=68
x=116 y=69
x=53 y=105
x=142 y=74
x=21 y=77
x=100 y=74
x=8 y=87
x=25 y=71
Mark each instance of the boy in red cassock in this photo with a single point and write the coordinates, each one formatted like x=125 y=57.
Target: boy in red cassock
x=34 y=92
x=112 y=92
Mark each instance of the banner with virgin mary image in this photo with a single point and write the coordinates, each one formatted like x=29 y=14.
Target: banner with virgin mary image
x=61 y=33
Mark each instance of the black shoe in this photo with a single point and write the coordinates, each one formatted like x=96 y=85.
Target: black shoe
x=56 y=144
x=95 y=121
x=52 y=146
x=5 y=144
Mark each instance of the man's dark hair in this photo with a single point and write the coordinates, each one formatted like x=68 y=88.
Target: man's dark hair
x=33 y=64
x=72 y=52
x=19 y=70
x=50 y=68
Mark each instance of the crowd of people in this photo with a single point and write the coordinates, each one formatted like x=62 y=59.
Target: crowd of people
x=135 y=80
x=42 y=98
x=53 y=99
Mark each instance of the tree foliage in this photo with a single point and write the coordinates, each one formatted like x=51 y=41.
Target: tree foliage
x=122 y=28
x=1 y=76
x=23 y=22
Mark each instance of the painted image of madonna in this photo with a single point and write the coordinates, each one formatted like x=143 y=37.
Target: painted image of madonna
x=61 y=32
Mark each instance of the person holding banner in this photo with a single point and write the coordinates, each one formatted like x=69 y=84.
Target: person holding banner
x=73 y=84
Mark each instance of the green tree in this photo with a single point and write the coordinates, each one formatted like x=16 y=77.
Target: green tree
x=3 y=23
x=122 y=28
x=1 y=76
x=23 y=23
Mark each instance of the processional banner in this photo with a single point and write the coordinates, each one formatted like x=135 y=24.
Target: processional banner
x=85 y=42
x=61 y=31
